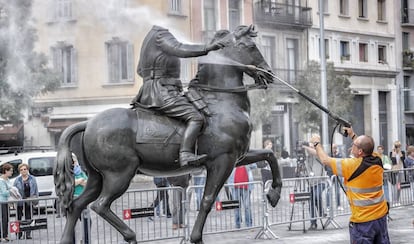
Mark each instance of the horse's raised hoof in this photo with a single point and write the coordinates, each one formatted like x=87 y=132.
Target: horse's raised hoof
x=273 y=196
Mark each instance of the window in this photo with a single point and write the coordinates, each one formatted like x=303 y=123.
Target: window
x=175 y=6
x=268 y=49
x=381 y=10
x=120 y=61
x=382 y=54
x=209 y=15
x=64 y=62
x=362 y=9
x=292 y=58
x=343 y=7
x=406 y=93
x=345 y=55
x=63 y=10
x=405 y=40
x=363 y=52
x=234 y=14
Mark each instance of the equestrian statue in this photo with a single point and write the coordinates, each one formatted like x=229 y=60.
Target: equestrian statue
x=168 y=132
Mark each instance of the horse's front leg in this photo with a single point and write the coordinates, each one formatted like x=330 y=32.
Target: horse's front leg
x=217 y=173
x=256 y=155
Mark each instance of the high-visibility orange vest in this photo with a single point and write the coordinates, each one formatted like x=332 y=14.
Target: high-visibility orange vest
x=365 y=192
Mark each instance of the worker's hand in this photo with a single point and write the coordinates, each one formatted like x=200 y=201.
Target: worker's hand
x=350 y=131
x=315 y=138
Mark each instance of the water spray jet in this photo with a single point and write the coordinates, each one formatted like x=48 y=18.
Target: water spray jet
x=342 y=122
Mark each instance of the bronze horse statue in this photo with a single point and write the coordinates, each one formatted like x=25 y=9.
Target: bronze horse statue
x=112 y=156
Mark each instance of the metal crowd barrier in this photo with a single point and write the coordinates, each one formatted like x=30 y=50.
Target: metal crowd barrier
x=136 y=209
x=228 y=205
x=43 y=226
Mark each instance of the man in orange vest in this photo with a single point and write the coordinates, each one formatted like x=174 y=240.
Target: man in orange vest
x=363 y=178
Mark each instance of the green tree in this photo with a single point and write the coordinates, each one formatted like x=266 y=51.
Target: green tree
x=339 y=94
x=24 y=73
x=262 y=102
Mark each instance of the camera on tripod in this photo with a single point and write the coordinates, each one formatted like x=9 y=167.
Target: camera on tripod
x=301 y=158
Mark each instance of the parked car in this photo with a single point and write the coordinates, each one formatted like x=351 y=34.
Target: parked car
x=41 y=165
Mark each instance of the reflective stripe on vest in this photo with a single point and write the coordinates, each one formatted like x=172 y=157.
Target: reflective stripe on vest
x=365 y=190
x=369 y=202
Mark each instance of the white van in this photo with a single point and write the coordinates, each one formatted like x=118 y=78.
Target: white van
x=41 y=166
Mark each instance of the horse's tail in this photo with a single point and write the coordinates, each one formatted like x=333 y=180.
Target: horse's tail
x=63 y=172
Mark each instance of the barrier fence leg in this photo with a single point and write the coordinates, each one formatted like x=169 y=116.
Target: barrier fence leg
x=330 y=218
x=265 y=231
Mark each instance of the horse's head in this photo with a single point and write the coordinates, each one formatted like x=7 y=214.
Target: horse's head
x=244 y=51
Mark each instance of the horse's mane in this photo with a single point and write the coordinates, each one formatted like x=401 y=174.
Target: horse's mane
x=240 y=31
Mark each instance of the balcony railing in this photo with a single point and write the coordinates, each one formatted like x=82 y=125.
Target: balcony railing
x=407 y=17
x=408 y=59
x=279 y=14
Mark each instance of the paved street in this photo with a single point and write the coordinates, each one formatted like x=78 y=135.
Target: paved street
x=400 y=230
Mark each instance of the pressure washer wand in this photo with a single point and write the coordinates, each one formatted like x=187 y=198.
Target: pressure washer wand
x=339 y=120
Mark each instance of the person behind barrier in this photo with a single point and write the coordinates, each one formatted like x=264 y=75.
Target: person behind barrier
x=397 y=158
x=314 y=168
x=242 y=192
x=263 y=165
x=27 y=186
x=336 y=181
x=162 y=197
x=363 y=178
x=5 y=188
x=387 y=165
x=199 y=180
x=80 y=182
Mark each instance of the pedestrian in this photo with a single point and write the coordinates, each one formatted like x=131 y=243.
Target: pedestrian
x=265 y=170
x=199 y=180
x=27 y=186
x=314 y=168
x=409 y=164
x=387 y=165
x=80 y=182
x=5 y=188
x=178 y=211
x=336 y=183
x=241 y=191
x=397 y=157
x=363 y=178
x=162 y=198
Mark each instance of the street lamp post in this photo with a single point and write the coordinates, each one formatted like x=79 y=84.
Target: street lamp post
x=324 y=99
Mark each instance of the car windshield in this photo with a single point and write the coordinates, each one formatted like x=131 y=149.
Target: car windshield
x=41 y=166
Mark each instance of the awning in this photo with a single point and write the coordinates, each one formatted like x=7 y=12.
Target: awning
x=59 y=125
x=10 y=132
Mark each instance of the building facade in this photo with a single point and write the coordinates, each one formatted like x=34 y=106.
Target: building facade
x=360 y=39
x=95 y=47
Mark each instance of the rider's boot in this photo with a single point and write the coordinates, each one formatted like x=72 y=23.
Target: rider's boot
x=187 y=157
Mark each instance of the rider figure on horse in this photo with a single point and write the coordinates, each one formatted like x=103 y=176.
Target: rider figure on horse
x=159 y=67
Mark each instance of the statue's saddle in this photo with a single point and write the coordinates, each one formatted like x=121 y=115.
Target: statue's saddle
x=156 y=128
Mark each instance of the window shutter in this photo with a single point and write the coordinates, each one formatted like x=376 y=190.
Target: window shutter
x=110 y=62
x=130 y=62
x=74 y=65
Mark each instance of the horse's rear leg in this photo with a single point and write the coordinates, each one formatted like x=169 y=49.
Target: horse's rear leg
x=90 y=193
x=114 y=185
x=217 y=173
